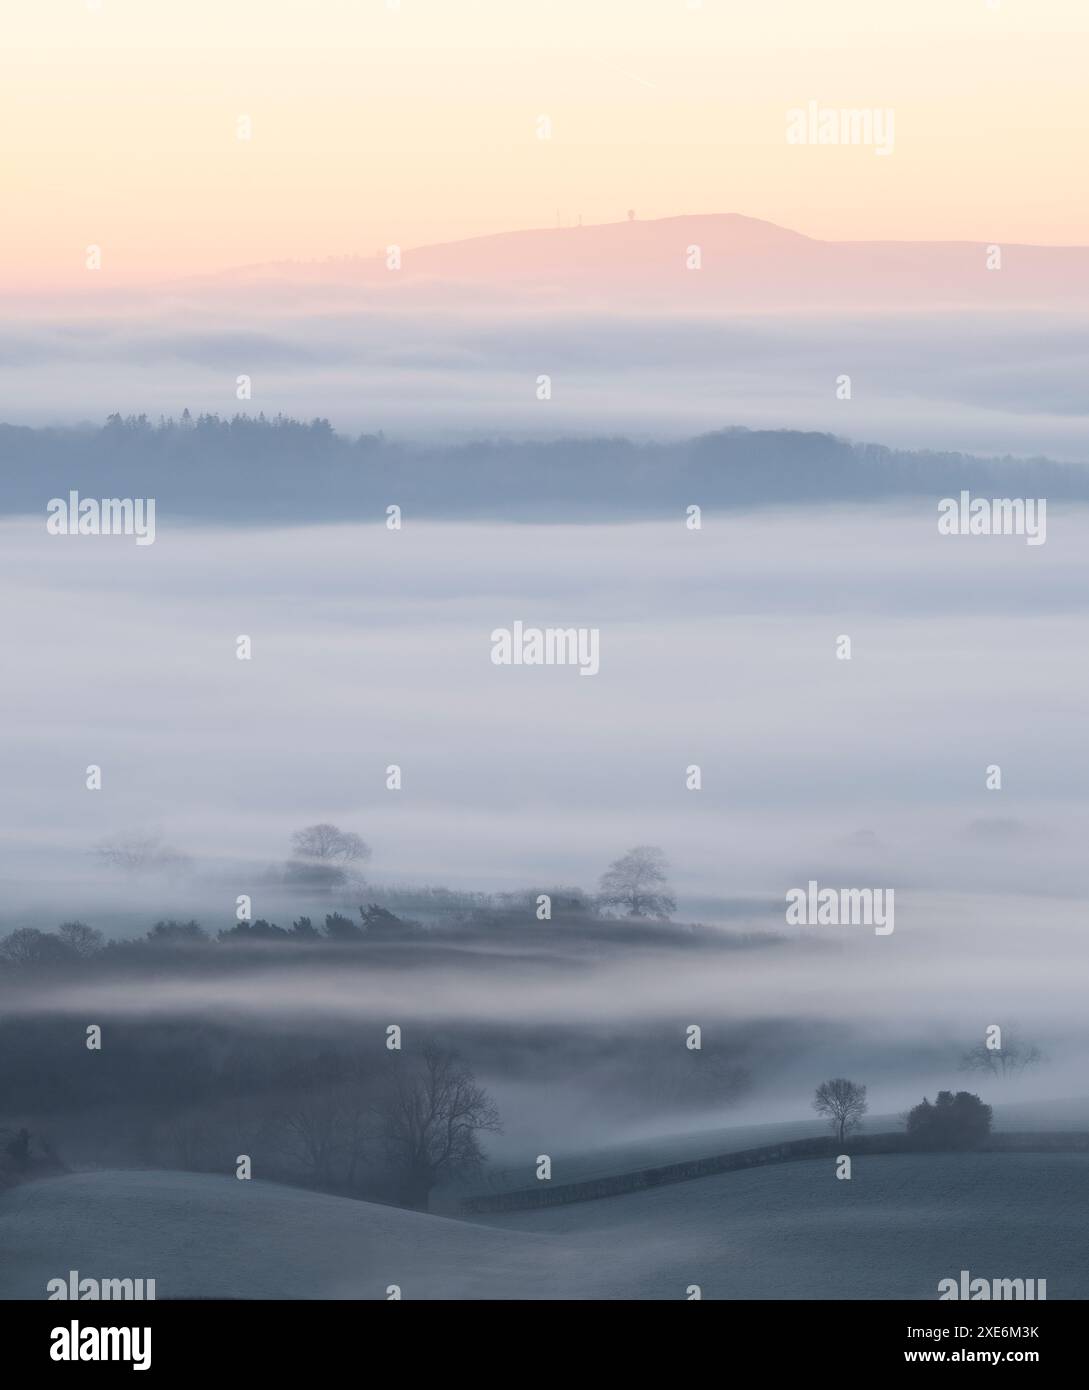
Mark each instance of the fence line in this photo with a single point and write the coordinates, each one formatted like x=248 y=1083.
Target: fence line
x=545 y=1195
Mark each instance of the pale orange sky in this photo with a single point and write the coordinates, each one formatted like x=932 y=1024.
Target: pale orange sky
x=376 y=123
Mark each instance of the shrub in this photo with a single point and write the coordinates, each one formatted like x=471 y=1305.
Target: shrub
x=958 y=1121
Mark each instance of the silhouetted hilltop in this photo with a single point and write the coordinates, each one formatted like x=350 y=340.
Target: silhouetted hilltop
x=741 y=262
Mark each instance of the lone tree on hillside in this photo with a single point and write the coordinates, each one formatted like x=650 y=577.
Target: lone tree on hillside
x=636 y=884
x=1010 y=1058
x=322 y=855
x=844 y=1104
x=326 y=844
x=430 y=1117
x=958 y=1121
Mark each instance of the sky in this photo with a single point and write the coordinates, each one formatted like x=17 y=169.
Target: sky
x=417 y=122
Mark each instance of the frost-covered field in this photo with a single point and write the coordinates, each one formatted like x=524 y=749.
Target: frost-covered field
x=894 y=1230
x=793 y=1231
x=202 y=1236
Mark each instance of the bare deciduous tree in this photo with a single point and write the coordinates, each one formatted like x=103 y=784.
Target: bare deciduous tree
x=1006 y=1062
x=81 y=939
x=329 y=845
x=636 y=884
x=843 y=1102
x=139 y=853
x=29 y=946
x=430 y=1117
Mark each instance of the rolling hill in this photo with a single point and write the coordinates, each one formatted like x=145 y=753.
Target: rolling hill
x=791 y=1231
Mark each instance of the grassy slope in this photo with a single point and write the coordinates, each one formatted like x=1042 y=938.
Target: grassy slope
x=791 y=1231
x=794 y=1231
x=206 y=1236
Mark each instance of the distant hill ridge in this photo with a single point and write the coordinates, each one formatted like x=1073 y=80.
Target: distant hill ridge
x=699 y=261
x=249 y=470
